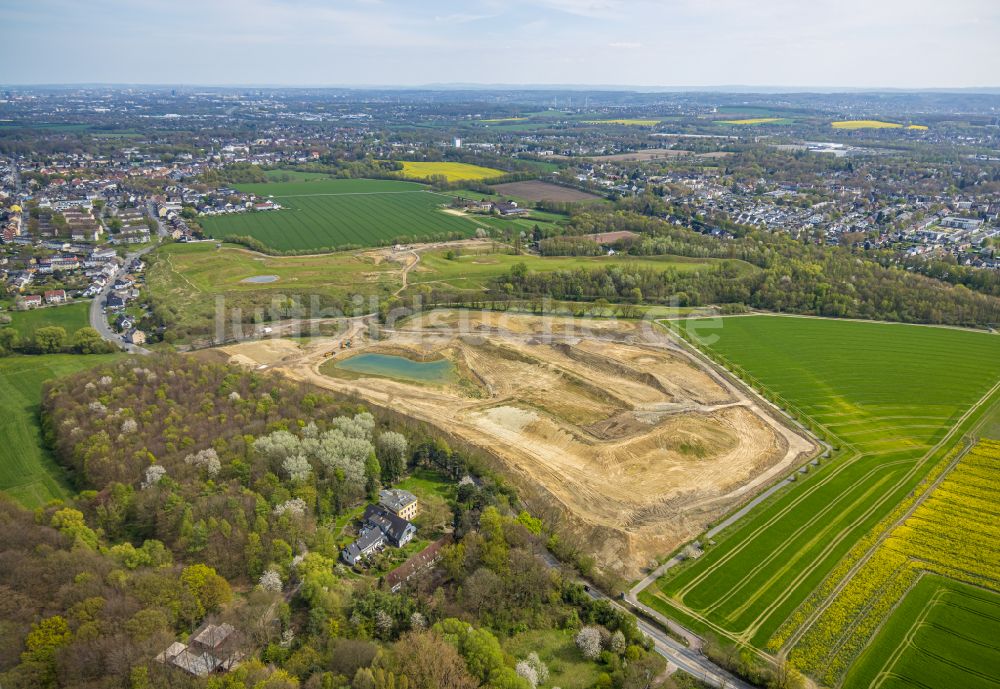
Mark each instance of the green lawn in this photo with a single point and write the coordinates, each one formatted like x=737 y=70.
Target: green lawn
x=568 y=669
x=991 y=424
x=72 y=317
x=324 y=214
x=944 y=634
x=888 y=395
x=428 y=484
x=286 y=176
x=28 y=473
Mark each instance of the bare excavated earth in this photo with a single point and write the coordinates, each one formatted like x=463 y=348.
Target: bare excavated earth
x=611 y=431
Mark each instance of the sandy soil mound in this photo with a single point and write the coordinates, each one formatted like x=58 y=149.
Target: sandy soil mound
x=611 y=430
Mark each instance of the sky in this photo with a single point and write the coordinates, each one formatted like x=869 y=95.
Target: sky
x=688 y=43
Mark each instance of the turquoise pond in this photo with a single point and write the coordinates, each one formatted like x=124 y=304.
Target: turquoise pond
x=440 y=371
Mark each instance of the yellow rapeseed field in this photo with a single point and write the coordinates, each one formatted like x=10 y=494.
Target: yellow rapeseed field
x=452 y=171
x=872 y=124
x=952 y=533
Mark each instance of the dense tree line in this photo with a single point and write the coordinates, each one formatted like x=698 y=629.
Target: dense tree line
x=948 y=270
x=53 y=339
x=237 y=173
x=569 y=246
x=790 y=276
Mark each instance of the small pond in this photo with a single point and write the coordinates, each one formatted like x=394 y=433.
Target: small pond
x=260 y=279
x=440 y=371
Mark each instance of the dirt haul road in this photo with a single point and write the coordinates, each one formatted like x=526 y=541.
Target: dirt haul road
x=626 y=442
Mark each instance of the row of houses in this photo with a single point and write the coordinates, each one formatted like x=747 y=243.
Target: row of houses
x=33 y=301
x=170 y=213
x=134 y=228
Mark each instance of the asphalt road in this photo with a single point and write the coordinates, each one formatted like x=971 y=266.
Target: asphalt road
x=677 y=654
x=98 y=319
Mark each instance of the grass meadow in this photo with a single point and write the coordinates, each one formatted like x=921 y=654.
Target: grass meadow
x=892 y=398
x=323 y=214
x=186 y=280
x=944 y=634
x=556 y=648
x=28 y=473
x=71 y=317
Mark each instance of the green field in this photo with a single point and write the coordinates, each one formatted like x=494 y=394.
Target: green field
x=322 y=214
x=288 y=176
x=28 y=473
x=474 y=271
x=892 y=397
x=72 y=317
x=750 y=121
x=944 y=634
x=187 y=279
x=568 y=669
x=626 y=122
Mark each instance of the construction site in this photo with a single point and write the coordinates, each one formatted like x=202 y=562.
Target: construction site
x=611 y=430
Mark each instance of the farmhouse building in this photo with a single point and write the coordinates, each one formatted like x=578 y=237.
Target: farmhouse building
x=378 y=527
x=398 y=531
x=483 y=205
x=401 y=503
x=509 y=208
x=416 y=565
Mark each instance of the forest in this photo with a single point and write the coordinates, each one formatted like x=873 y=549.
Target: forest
x=793 y=277
x=212 y=493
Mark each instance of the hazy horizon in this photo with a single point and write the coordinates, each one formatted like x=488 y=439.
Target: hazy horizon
x=733 y=89
x=676 y=44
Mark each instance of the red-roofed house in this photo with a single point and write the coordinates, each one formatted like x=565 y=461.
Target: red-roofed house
x=55 y=296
